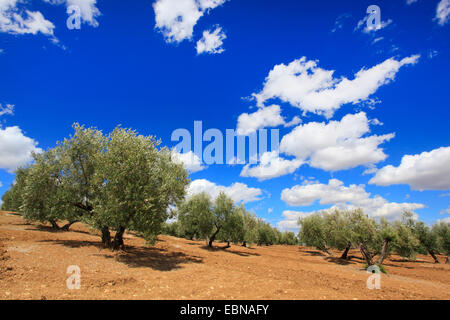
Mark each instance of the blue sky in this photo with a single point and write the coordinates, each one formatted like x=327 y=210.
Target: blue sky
x=373 y=134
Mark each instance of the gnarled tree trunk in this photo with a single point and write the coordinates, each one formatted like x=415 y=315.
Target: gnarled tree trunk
x=213 y=237
x=67 y=226
x=244 y=244
x=366 y=254
x=383 y=253
x=345 y=253
x=431 y=252
x=54 y=224
x=106 y=237
x=118 y=239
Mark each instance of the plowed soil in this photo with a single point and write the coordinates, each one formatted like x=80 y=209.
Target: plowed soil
x=34 y=261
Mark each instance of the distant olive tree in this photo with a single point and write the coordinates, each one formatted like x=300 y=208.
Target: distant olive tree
x=442 y=232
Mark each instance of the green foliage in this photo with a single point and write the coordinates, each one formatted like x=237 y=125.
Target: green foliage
x=196 y=217
x=288 y=238
x=233 y=229
x=119 y=181
x=266 y=234
x=140 y=184
x=12 y=198
x=313 y=231
x=442 y=232
x=172 y=229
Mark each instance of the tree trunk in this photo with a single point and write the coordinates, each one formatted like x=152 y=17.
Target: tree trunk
x=118 y=239
x=431 y=252
x=447 y=261
x=345 y=253
x=228 y=244
x=67 y=226
x=366 y=255
x=384 y=249
x=54 y=224
x=328 y=252
x=244 y=244
x=213 y=237
x=106 y=237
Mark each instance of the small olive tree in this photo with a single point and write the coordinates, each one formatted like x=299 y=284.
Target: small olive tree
x=442 y=232
x=196 y=217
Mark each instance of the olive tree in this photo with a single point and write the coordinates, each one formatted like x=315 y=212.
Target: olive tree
x=12 y=198
x=43 y=196
x=140 y=183
x=442 y=232
x=196 y=217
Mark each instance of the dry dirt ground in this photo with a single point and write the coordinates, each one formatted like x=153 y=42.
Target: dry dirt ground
x=34 y=261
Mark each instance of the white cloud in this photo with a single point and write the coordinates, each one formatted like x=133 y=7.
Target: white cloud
x=7 y=109
x=15 y=148
x=239 y=192
x=443 y=12
x=263 y=118
x=291 y=219
x=190 y=161
x=88 y=9
x=446 y=211
x=271 y=166
x=409 y=2
x=446 y=220
x=312 y=89
x=211 y=42
x=176 y=18
x=425 y=171
x=337 y=145
x=339 y=196
x=295 y=121
x=15 y=20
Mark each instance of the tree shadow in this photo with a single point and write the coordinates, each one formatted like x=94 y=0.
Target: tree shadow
x=228 y=250
x=339 y=261
x=50 y=229
x=240 y=253
x=75 y=243
x=314 y=253
x=155 y=258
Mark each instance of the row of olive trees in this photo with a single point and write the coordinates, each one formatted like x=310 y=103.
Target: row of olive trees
x=200 y=217
x=343 y=230
x=111 y=182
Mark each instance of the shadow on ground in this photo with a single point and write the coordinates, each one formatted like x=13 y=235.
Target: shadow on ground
x=155 y=258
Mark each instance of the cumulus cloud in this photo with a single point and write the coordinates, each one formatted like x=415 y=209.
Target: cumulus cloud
x=337 y=145
x=425 y=171
x=271 y=166
x=289 y=223
x=190 y=161
x=88 y=9
x=263 y=118
x=176 y=19
x=239 y=192
x=335 y=193
x=15 y=148
x=446 y=211
x=211 y=42
x=310 y=88
x=443 y=12
x=16 y=20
